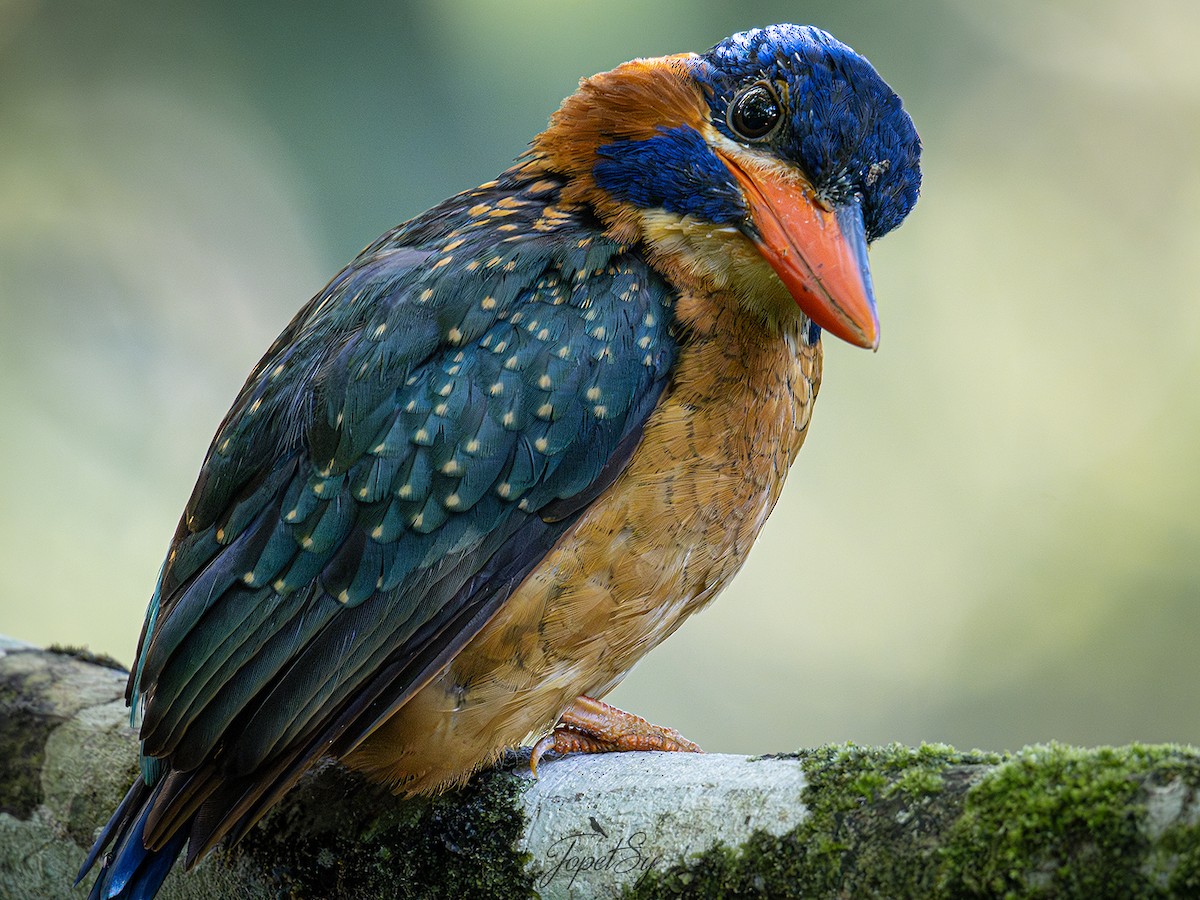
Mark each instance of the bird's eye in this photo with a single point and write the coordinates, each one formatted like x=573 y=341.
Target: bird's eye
x=755 y=112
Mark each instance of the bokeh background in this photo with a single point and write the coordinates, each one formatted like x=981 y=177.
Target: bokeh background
x=992 y=536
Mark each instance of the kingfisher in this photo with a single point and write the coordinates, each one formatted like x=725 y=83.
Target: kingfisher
x=514 y=444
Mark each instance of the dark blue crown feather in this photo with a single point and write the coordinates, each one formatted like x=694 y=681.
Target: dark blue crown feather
x=846 y=130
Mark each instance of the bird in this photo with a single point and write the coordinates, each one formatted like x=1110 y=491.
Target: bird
x=514 y=444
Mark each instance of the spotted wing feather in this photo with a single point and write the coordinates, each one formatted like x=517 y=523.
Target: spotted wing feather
x=412 y=445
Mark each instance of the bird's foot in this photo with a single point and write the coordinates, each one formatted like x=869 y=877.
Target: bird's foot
x=589 y=726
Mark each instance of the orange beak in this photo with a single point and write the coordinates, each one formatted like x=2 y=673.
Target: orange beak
x=819 y=254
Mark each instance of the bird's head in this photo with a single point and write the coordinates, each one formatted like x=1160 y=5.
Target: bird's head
x=763 y=167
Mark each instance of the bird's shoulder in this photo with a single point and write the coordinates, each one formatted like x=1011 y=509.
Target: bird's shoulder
x=503 y=290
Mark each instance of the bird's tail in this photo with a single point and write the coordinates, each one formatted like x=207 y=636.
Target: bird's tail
x=131 y=872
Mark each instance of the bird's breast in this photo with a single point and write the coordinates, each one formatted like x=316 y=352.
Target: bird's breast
x=658 y=545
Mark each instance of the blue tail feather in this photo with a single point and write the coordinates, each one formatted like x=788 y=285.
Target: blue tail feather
x=132 y=872
x=135 y=797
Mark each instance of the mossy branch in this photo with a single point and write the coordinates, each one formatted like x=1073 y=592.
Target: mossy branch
x=1049 y=821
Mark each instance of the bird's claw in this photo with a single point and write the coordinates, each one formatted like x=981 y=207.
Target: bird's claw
x=590 y=726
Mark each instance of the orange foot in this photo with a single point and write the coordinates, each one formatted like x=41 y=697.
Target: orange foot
x=590 y=726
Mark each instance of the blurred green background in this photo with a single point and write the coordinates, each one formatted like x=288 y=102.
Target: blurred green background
x=992 y=536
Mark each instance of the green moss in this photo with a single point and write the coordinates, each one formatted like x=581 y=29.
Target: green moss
x=340 y=836
x=1177 y=860
x=83 y=654
x=895 y=822
x=1057 y=821
x=873 y=830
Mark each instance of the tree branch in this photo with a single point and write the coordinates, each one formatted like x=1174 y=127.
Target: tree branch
x=1049 y=821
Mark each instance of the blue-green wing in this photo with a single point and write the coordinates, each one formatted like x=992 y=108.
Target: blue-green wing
x=403 y=456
